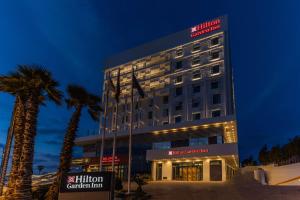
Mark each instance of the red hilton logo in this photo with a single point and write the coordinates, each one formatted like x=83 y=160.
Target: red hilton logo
x=205 y=27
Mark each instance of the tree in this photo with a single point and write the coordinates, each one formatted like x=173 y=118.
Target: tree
x=40 y=168
x=14 y=84
x=249 y=162
x=79 y=98
x=275 y=154
x=40 y=86
x=263 y=155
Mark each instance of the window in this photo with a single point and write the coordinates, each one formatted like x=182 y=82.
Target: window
x=150 y=115
x=178 y=119
x=179 y=52
x=198 y=141
x=178 y=79
x=161 y=145
x=178 y=106
x=214 y=85
x=196 y=47
x=214 y=41
x=214 y=55
x=178 y=65
x=165 y=122
x=196 y=60
x=136 y=105
x=165 y=112
x=196 y=88
x=165 y=99
x=195 y=103
x=196 y=116
x=196 y=74
x=216 y=99
x=178 y=91
x=151 y=102
x=215 y=69
x=216 y=113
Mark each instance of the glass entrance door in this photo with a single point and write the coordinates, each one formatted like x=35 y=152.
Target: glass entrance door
x=191 y=171
x=159 y=171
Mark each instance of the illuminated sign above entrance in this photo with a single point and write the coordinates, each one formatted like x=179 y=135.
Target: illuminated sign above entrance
x=205 y=27
x=184 y=152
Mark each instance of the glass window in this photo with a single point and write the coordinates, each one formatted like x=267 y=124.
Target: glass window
x=165 y=112
x=196 y=60
x=178 y=79
x=215 y=69
x=161 y=145
x=214 y=85
x=196 y=47
x=165 y=99
x=198 y=141
x=150 y=115
x=196 y=88
x=196 y=116
x=214 y=41
x=178 y=91
x=178 y=106
x=179 y=52
x=216 y=99
x=196 y=74
x=178 y=65
x=178 y=119
x=214 y=55
x=216 y=113
x=165 y=122
x=151 y=102
x=195 y=103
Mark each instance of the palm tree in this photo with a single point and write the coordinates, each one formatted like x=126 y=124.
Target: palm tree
x=14 y=85
x=78 y=99
x=40 y=86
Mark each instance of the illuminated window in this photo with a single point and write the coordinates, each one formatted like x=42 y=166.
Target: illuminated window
x=216 y=99
x=178 y=119
x=196 y=116
x=215 y=69
x=178 y=65
x=178 y=91
x=214 y=85
x=216 y=113
x=196 y=74
x=196 y=60
x=196 y=88
x=196 y=47
x=214 y=41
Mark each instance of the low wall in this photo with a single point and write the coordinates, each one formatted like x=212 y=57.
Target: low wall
x=283 y=175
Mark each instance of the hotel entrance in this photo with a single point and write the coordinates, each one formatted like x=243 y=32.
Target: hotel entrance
x=187 y=171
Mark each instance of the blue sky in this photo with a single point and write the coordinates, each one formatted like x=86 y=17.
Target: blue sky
x=71 y=38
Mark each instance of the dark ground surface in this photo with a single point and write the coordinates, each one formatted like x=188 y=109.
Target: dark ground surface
x=241 y=187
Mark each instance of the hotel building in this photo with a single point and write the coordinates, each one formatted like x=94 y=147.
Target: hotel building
x=185 y=126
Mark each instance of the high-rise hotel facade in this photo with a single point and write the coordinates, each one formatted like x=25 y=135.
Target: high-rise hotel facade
x=185 y=127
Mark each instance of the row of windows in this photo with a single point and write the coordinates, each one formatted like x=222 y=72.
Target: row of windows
x=197 y=47
x=197 y=116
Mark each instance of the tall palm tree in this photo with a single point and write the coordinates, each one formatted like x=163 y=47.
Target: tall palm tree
x=78 y=99
x=40 y=86
x=14 y=84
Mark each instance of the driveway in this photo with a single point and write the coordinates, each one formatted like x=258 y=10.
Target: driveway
x=242 y=187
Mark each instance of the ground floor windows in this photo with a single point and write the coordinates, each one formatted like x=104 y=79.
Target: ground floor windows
x=187 y=171
x=215 y=170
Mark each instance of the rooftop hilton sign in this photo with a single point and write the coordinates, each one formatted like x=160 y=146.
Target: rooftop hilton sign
x=205 y=27
x=92 y=182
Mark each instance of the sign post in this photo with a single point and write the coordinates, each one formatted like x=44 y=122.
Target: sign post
x=86 y=185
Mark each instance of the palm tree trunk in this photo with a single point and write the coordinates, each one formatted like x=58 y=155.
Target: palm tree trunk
x=23 y=183
x=19 y=121
x=6 y=150
x=66 y=154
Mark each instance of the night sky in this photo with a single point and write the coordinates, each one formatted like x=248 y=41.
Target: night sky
x=71 y=38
